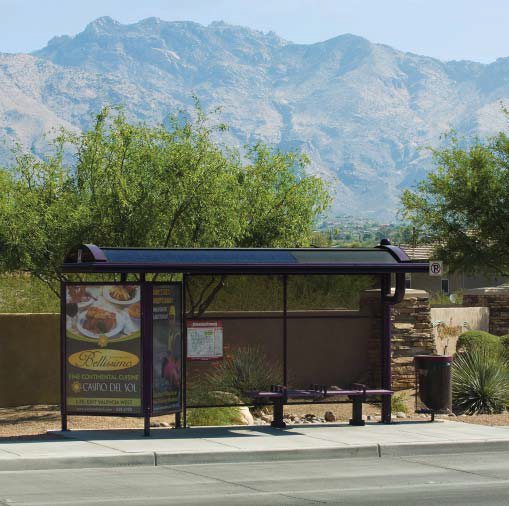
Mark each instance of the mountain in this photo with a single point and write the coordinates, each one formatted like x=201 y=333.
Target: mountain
x=363 y=112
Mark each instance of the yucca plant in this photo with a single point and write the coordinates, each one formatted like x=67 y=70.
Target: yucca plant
x=247 y=368
x=480 y=382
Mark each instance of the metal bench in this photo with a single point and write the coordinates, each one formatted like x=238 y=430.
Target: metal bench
x=279 y=396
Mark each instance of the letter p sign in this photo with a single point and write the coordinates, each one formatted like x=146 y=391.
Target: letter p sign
x=436 y=268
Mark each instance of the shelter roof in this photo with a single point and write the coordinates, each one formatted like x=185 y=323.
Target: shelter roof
x=381 y=259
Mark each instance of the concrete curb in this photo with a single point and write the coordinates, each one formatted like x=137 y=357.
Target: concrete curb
x=432 y=448
x=340 y=452
x=77 y=462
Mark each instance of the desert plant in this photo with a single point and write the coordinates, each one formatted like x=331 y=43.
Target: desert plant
x=476 y=339
x=504 y=343
x=213 y=416
x=398 y=404
x=247 y=368
x=480 y=382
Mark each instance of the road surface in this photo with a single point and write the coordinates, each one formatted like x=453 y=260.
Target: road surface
x=460 y=479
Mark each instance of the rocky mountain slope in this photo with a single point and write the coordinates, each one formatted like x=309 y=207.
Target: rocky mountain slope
x=363 y=112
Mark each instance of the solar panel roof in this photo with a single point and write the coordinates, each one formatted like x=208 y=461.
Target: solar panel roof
x=379 y=259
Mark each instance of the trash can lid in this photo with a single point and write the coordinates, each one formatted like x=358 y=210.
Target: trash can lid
x=433 y=358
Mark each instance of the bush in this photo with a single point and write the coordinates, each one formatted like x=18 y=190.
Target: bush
x=504 y=343
x=398 y=404
x=213 y=416
x=246 y=369
x=476 y=339
x=480 y=382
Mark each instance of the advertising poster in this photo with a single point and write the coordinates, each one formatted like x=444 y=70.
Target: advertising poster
x=204 y=339
x=103 y=349
x=167 y=348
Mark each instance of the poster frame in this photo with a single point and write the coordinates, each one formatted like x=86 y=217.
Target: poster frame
x=146 y=346
x=149 y=307
x=63 y=354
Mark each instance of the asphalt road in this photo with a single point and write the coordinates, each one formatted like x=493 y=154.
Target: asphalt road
x=462 y=479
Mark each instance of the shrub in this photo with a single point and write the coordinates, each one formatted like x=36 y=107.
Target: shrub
x=504 y=343
x=246 y=369
x=398 y=404
x=213 y=416
x=480 y=382
x=476 y=339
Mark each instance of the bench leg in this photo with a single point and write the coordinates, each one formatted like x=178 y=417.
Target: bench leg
x=386 y=409
x=357 y=412
x=278 y=414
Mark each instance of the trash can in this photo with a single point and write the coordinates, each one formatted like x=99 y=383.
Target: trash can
x=433 y=384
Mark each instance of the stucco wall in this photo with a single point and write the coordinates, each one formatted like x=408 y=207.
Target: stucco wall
x=29 y=359
x=449 y=322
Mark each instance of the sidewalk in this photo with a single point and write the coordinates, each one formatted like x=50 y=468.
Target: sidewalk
x=84 y=449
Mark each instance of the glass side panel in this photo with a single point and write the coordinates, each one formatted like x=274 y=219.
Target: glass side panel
x=206 y=294
x=234 y=340
x=319 y=292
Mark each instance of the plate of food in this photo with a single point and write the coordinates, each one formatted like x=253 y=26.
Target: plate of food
x=124 y=295
x=80 y=295
x=97 y=321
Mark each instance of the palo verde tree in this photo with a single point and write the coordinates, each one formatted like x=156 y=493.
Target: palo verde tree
x=463 y=205
x=130 y=184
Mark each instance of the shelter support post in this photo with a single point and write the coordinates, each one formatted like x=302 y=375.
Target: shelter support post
x=63 y=366
x=183 y=382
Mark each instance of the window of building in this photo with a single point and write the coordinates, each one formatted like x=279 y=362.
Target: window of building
x=445 y=286
x=408 y=280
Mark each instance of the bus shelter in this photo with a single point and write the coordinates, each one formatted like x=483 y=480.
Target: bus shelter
x=141 y=329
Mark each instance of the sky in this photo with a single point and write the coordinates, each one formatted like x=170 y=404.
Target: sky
x=446 y=29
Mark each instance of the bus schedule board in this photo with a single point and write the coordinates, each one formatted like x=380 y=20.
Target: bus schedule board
x=204 y=339
x=102 y=350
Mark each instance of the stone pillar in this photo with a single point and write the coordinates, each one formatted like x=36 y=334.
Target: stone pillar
x=497 y=300
x=411 y=335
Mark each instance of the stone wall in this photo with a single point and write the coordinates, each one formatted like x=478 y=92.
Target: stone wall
x=497 y=300
x=411 y=335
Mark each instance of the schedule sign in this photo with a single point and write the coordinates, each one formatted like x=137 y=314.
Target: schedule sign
x=204 y=339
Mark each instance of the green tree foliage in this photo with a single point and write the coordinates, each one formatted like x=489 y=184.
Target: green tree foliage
x=462 y=205
x=131 y=184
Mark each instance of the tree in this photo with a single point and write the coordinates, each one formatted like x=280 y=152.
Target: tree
x=462 y=207
x=130 y=184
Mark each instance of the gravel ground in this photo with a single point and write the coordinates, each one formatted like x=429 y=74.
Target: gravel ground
x=27 y=422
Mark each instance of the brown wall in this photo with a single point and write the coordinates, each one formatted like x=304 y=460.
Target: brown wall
x=331 y=348
x=29 y=359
